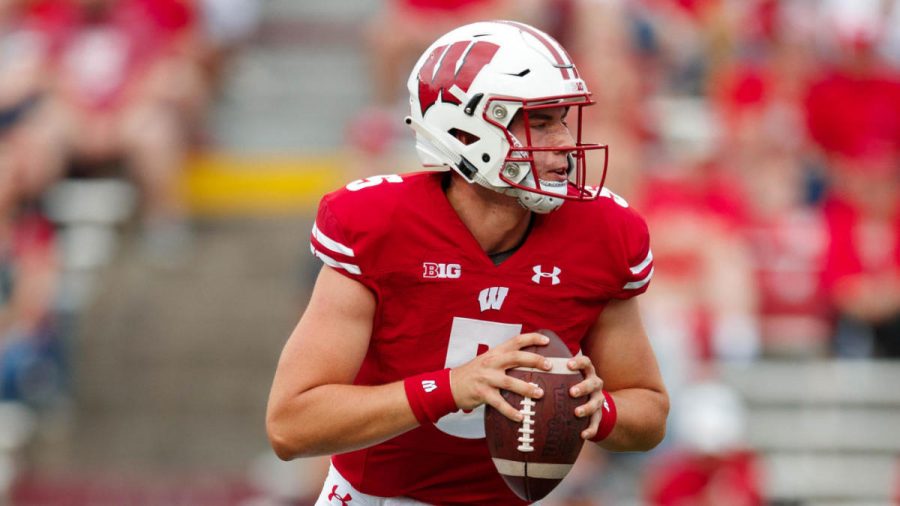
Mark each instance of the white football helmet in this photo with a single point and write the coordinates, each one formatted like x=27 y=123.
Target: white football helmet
x=471 y=83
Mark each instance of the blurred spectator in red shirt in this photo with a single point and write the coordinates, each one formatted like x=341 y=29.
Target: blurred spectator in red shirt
x=126 y=87
x=704 y=302
x=854 y=116
x=709 y=464
x=761 y=103
x=862 y=269
x=704 y=283
x=788 y=241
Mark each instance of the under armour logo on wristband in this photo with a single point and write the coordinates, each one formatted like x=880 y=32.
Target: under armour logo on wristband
x=334 y=495
x=429 y=385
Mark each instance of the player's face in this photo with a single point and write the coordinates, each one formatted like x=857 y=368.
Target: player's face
x=548 y=128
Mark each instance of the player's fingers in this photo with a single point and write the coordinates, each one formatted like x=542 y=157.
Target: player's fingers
x=514 y=359
x=522 y=340
x=497 y=402
x=592 y=406
x=591 y=382
x=520 y=387
x=591 y=431
x=581 y=363
x=589 y=385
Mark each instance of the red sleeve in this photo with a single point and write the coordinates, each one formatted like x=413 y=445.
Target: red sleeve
x=333 y=243
x=635 y=278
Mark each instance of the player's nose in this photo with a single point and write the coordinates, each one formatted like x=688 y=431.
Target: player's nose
x=561 y=136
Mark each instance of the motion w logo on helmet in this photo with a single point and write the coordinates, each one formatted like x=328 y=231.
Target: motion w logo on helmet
x=451 y=72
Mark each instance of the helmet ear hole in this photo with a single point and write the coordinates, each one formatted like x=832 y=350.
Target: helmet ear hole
x=464 y=137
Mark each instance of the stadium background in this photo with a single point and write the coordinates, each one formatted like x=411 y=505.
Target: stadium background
x=152 y=388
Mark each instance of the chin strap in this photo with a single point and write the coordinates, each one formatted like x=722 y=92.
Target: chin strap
x=536 y=202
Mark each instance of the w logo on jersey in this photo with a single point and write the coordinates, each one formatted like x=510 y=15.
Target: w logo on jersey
x=492 y=298
x=452 y=66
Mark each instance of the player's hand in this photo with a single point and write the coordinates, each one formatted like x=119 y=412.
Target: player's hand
x=480 y=380
x=593 y=386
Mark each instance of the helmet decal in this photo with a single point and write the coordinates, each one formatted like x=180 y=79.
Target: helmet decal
x=451 y=72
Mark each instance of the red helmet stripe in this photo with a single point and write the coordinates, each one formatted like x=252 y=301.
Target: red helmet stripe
x=555 y=50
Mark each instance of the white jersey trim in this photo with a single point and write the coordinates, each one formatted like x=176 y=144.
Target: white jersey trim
x=638 y=284
x=351 y=268
x=643 y=265
x=330 y=243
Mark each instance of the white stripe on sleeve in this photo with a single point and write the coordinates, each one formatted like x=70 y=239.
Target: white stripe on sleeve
x=351 y=268
x=643 y=265
x=330 y=243
x=638 y=284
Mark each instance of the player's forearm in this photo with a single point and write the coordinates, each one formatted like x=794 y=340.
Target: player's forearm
x=641 y=420
x=338 y=418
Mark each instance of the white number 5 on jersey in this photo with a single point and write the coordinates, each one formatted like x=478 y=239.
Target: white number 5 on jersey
x=465 y=336
x=360 y=184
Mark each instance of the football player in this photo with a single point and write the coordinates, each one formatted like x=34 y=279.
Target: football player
x=434 y=282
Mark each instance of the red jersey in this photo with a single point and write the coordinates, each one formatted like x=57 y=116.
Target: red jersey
x=441 y=301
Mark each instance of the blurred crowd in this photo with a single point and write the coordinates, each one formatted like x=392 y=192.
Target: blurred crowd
x=92 y=90
x=760 y=138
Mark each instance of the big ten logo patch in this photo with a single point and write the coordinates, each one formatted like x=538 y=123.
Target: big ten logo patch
x=432 y=270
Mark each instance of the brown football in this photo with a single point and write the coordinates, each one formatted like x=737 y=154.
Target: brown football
x=534 y=455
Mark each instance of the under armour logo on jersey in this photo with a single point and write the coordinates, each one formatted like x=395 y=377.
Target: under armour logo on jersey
x=540 y=275
x=429 y=386
x=334 y=495
x=492 y=298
